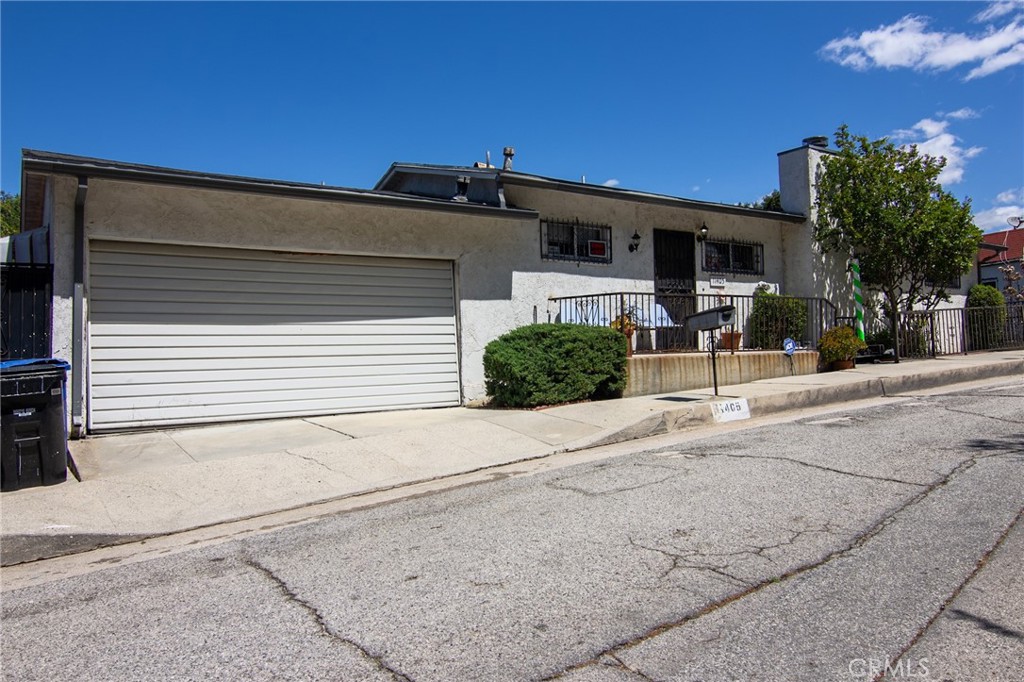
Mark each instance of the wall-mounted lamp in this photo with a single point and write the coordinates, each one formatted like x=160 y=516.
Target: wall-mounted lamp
x=703 y=234
x=635 y=242
x=1015 y=221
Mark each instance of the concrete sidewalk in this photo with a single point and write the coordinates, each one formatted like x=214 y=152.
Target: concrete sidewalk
x=145 y=484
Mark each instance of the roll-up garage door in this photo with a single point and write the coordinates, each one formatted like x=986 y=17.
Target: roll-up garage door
x=182 y=334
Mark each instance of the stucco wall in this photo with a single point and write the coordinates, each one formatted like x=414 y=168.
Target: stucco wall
x=61 y=202
x=626 y=216
x=809 y=272
x=501 y=281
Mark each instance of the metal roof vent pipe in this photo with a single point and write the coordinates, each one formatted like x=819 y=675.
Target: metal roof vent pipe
x=462 y=187
x=819 y=141
x=509 y=152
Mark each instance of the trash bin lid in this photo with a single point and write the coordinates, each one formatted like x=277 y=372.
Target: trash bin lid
x=35 y=363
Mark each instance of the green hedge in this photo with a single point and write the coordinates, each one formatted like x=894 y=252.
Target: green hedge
x=986 y=317
x=548 y=364
x=775 y=318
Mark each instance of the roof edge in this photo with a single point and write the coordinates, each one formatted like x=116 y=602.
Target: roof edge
x=513 y=178
x=37 y=161
x=530 y=180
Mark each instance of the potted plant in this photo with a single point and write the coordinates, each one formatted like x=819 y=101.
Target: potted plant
x=626 y=323
x=838 y=347
x=731 y=340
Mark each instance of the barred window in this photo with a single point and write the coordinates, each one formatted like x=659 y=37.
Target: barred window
x=576 y=241
x=953 y=282
x=740 y=257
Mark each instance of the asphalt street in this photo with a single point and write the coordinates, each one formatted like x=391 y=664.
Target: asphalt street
x=838 y=546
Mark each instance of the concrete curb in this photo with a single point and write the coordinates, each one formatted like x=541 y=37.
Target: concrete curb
x=698 y=415
x=667 y=421
x=955 y=375
x=688 y=417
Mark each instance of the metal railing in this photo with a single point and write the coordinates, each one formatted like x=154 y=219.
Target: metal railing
x=949 y=331
x=658 y=320
x=952 y=331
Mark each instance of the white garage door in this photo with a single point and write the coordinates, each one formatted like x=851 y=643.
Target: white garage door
x=191 y=334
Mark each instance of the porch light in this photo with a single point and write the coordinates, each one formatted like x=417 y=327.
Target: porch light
x=635 y=239
x=703 y=232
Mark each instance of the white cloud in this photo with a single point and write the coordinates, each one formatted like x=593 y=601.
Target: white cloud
x=994 y=219
x=999 y=9
x=1011 y=57
x=933 y=138
x=909 y=43
x=931 y=128
x=611 y=183
x=1010 y=196
x=961 y=114
x=1008 y=204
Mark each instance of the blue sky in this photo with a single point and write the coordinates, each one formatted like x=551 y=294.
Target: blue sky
x=689 y=99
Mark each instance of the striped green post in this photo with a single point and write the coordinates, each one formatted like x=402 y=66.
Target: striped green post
x=858 y=297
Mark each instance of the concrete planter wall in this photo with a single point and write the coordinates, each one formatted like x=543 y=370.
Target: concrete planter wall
x=667 y=373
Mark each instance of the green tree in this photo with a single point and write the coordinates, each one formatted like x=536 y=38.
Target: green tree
x=11 y=212
x=884 y=205
x=769 y=202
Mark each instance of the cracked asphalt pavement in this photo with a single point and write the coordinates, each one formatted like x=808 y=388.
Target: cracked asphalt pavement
x=851 y=544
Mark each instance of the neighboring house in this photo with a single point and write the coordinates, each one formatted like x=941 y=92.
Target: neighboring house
x=999 y=250
x=183 y=297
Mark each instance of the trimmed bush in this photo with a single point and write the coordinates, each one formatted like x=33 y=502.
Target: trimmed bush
x=549 y=364
x=985 y=296
x=986 y=317
x=775 y=318
x=839 y=343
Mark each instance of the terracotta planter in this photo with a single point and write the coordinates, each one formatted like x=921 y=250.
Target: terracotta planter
x=838 y=365
x=731 y=340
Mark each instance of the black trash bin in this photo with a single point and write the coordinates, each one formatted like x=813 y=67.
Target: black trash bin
x=33 y=442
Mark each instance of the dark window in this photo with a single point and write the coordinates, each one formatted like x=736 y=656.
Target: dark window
x=953 y=283
x=576 y=241
x=739 y=257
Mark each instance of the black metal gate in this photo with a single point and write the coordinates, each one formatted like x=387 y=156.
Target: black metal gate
x=674 y=264
x=674 y=278
x=26 y=293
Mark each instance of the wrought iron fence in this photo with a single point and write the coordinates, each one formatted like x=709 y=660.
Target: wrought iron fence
x=962 y=330
x=658 y=321
x=950 y=331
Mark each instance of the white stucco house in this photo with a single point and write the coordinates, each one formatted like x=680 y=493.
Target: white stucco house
x=183 y=297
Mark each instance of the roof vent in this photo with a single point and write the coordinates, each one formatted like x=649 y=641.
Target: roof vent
x=509 y=152
x=483 y=164
x=817 y=141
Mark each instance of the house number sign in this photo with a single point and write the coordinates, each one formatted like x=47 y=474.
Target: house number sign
x=730 y=410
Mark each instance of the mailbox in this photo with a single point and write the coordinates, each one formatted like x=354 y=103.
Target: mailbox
x=715 y=318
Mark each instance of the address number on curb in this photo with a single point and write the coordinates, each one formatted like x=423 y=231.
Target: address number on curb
x=730 y=410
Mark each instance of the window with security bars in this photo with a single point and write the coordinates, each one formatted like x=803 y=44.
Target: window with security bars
x=954 y=282
x=745 y=258
x=576 y=241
